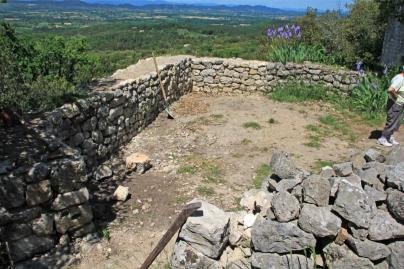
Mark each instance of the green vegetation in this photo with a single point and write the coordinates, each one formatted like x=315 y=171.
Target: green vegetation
x=294 y=91
x=191 y=169
x=105 y=233
x=211 y=172
x=246 y=141
x=217 y=116
x=206 y=191
x=263 y=171
x=318 y=164
x=252 y=125
x=271 y=121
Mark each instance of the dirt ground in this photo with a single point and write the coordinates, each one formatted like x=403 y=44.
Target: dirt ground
x=212 y=150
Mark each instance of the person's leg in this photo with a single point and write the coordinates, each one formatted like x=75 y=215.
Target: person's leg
x=390 y=120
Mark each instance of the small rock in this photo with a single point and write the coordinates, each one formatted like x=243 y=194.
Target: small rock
x=6 y=166
x=121 y=193
x=343 y=169
x=68 y=199
x=371 y=177
x=103 y=172
x=341 y=257
x=249 y=220
x=38 y=172
x=287 y=185
x=38 y=193
x=342 y=236
x=283 y=167
x=256 y=198
x=375 y=195
x=285 y=206
x=395 y=156
x=327 y=172
x=395 y=177
x=138 y=162
x=276 y=261
x=358 y=233
x=43 y=225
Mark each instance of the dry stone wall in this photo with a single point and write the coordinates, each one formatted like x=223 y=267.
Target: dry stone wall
x=46 y=201
x=215 y=75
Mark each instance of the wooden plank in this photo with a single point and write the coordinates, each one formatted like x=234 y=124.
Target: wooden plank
x=179 y=221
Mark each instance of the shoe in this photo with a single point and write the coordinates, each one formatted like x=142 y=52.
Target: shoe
x=383 y=141
x=393 y=141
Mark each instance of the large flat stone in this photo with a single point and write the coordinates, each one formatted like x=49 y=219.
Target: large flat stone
x=275 y=261
x=395 y=202
x=273 y=237
x=354 y=205
x=207 y=230
x=368 y=249
x=68 y=199
x=319 y=221
x=341 y=257
x=29 y=246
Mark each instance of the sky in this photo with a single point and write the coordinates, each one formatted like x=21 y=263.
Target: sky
x=289 y=4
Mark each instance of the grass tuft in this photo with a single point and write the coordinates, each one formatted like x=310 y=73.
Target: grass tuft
x=263 y=171
x=206 y=191
x=252 y=125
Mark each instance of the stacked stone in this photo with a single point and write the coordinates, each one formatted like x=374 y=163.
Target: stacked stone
x=348 y=216
x=43 y=202
x=97 y=126
x=214 y=75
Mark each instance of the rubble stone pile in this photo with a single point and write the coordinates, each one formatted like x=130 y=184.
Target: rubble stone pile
x=350 y=215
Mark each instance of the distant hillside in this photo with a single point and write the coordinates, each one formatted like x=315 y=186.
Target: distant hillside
x=154 y=4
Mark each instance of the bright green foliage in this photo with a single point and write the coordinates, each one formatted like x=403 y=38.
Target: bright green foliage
x=206 y=191
x=299 y=52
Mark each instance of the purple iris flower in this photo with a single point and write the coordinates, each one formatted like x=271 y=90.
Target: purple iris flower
x=374 y=86
x=359 y=66
x=298 y=32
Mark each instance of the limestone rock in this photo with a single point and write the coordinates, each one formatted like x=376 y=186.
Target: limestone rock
x=283 y=167
x=368 y=249
x=395 y=156
x=285 y=206
x=319 y=221
x=68 y=199
x=12 y=192
x=103 y=172
x=121 y=193
x=354 y=205
x=395 y=176
x=43 y=225
x=371 y=178
x=38 y=193
x=27 y=247
x=385 y=227
x=316 y=191
x=68 y=175
x=373 y=155
x=327 y=172
x=138 y=162
x=256 y=198
x=274 y=237
x=275 y=261
x=343 y=169
x=287 y=185
x=207 y=230
x=359 y=233
x=38 y=172
x=395 y=202
x=73 y=218
x=396 y=259
x=235 y=229
x=342 y=236
x=186 y=257
x=375 y=195
x=15 y=231
x=249 y=220
x=341 y=257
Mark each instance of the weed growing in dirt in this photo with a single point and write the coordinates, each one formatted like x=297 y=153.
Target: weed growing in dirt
x=245 y=141
x=205 y=191
x=263 y=171
x=299 y=92
x=271 y=121
x=217 y=116
x=338 y=125
x=167 y=266
x=318 y=164
x=105 y=233
x=252 y=125
x=314 y=141
x=187 y=169
x=211 y=172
